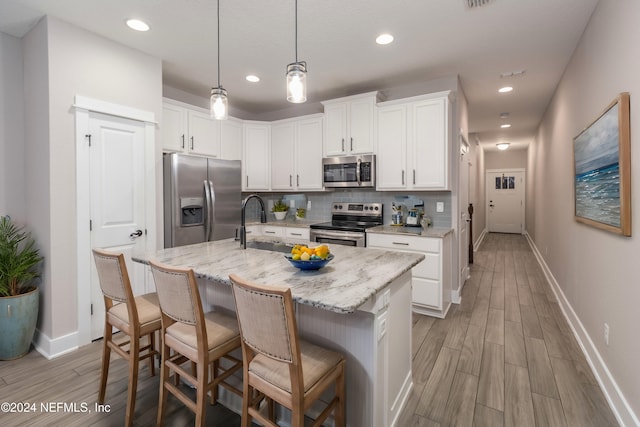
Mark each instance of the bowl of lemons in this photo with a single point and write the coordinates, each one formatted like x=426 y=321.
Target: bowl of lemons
x=306 y=258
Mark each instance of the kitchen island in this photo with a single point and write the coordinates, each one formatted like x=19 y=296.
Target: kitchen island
x=359 y=304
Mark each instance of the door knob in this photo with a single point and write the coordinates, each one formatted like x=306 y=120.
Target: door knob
x=135 y=234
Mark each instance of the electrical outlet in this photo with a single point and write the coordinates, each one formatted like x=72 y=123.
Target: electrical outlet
x=606 y=334
x=439 y=207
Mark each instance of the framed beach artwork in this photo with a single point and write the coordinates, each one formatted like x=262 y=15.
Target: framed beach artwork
x=602 y=170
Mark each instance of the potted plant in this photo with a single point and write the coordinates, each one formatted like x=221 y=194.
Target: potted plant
x=19 y=297
x=280 y=210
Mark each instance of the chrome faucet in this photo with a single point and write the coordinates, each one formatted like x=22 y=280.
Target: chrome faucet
x=243 y=229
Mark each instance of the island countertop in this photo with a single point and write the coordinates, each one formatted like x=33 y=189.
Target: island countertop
x=347 y=282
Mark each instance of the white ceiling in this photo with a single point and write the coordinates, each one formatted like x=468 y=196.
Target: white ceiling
x=433 y=39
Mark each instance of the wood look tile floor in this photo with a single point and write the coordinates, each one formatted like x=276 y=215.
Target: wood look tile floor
x=504 y=357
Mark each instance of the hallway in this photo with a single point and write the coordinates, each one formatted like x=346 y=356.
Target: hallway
x=505 y=356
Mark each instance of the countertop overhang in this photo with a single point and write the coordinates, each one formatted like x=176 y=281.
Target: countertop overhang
x=353 y=277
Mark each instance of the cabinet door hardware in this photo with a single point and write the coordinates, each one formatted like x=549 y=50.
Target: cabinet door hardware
x=182 y=140
x=351 y=149
x=192 y=143
x=400 y=243
x=88 y=136
x=402 y=176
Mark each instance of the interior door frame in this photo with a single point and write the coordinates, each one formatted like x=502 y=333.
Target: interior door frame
x=524 y=194
x=83 y=106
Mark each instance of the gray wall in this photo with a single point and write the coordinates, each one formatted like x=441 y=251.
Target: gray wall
x=62 y=61
x=12 y=201
x=506 y=159
x=596 y=270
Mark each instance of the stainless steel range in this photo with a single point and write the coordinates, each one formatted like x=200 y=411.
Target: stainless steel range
x=348 y=224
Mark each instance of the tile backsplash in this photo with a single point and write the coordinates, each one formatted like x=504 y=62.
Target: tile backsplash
x=320 y=203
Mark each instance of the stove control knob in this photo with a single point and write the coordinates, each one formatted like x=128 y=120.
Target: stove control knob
x=340 y=207
x=376 y=208
x=366 y=208
x=335 y=206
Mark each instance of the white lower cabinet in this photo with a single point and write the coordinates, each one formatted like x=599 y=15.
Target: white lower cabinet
x=270 y=230
x=431 y=278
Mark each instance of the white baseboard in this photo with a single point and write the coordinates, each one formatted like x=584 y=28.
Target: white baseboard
x=478 y=242
x=52 y=348
x=619 y=405
x=401 y=399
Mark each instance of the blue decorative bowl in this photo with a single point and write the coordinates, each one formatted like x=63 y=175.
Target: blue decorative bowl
x=312 y=264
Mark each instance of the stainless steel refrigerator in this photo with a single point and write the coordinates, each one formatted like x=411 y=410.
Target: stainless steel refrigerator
x=202 y=199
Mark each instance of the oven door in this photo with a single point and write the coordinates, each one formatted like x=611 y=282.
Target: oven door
x=345 y=238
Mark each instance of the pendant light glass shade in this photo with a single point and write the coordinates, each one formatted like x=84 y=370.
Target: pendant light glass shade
x=297 y=82
x=219 y=106
x=297 y=74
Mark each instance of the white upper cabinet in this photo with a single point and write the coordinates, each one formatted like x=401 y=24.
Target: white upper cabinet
x=256 y=156
x=189 y=129
x=430 y=144
x=231 y=139
x=413 y=143
x=283 y=137
x=350 y=125
x=392 y=147
x=204 y=134
x=296 y=154
x=173 y=128
x=308 y=152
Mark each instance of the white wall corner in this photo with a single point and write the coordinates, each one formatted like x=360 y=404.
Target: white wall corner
x=617 y=402
x=52 y=348
x=456 y=296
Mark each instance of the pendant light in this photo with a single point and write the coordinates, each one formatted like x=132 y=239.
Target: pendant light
x=219 y=108
x=297 y=75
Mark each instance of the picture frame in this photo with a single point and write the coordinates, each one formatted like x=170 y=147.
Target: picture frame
x=602 y=170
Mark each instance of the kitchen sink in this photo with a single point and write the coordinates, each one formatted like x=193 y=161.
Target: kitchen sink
x=269 y=246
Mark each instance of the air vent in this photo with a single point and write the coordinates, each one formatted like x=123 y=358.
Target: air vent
x=472 y=4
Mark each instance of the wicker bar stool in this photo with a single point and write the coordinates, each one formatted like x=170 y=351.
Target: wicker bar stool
x=136 y=317
x=193 y=336
x=277 y=364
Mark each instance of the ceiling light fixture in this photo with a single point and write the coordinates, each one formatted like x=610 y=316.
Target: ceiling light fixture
x=297 y=75
x=502 y=146
x=384 y=39
x=505 y=126
x=252 y=78
x=138 y=25
x=219 y=107
x=505 y=89
x=504 y=115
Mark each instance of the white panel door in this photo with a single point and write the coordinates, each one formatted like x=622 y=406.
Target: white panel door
x=117 y=199
x=505 y=201
x=392 y=147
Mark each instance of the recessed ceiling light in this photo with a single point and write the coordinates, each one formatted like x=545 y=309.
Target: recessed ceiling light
x=504 y=115
x=384 y=39
x=506 y=125
x=502 y=146
x=252 y=78
x=138 y=25
x=505 y=89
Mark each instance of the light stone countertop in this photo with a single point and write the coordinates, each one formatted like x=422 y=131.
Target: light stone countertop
x=411 y=231
x=347 y=282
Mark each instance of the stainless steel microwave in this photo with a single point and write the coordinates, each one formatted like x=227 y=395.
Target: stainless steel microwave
x=349 y=171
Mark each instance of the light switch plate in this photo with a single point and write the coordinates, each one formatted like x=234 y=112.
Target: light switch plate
x=439 y=207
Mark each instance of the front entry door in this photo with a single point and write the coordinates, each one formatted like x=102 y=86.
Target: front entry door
x=117 y=199
x=505 y=201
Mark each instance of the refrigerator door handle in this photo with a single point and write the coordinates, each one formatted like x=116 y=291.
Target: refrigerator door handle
x=207 y=221
x=212 y=210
